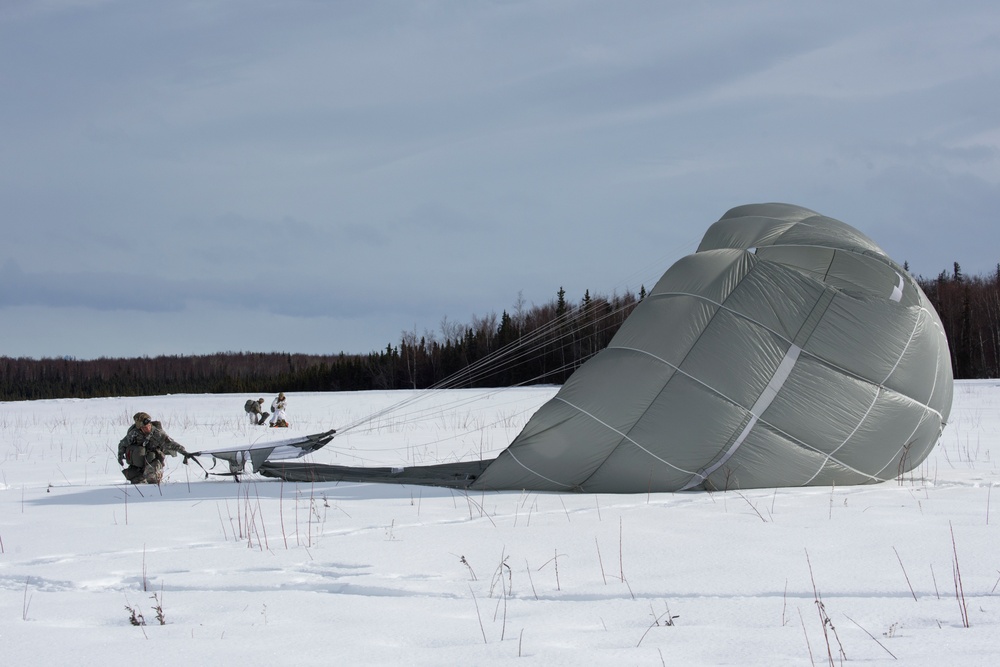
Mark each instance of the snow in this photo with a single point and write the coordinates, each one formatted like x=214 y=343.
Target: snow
x=268 y=572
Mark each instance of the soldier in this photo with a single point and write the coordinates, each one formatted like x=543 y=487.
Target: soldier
x=144 y=448
x=254 y=409
x=278 y=410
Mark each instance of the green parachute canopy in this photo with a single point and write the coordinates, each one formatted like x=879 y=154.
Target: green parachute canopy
x=789 y=350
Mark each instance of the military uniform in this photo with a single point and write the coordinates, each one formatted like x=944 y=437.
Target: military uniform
x=143 y=453
x=253 y=408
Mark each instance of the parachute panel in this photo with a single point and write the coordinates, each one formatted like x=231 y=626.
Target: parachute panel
x=653 y=458
x=753 y=466
x=776 y=298
x=739 y=372
x=685 y=315
x=864 y=338
x=598 y=405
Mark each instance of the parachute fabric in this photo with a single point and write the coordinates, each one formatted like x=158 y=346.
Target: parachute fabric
x=789 y=350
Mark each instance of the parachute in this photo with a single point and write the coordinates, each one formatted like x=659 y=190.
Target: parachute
x=788 y=350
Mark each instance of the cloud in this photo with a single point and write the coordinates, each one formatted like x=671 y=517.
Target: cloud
x=403 y=162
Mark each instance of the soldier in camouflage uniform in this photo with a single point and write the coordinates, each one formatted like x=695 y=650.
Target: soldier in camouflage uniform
x=144 y=448
x=254 y=409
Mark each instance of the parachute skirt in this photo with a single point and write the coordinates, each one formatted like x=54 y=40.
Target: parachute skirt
x=449 y=475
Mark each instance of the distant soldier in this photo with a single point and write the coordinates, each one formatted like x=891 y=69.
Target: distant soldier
x=256 y=410
x=278 y=410
x=144 y=448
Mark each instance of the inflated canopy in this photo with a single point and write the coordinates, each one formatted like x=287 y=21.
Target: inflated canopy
x=789 y=350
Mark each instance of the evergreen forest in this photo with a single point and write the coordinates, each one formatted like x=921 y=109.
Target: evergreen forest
x=537 y=345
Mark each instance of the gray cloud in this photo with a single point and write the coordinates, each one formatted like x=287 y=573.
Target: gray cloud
x=347 y=171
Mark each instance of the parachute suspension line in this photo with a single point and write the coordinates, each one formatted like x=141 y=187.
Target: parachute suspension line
x=524 y=350
x=527 y=348
x=431 y=413
x=426 y=393
x=438 y=410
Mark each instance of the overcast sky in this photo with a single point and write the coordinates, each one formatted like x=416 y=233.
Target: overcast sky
x=303 y=176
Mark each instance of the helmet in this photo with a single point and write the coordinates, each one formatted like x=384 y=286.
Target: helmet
x=141 y=418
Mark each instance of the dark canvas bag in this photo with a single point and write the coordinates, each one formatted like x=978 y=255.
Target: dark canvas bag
x=135 y=454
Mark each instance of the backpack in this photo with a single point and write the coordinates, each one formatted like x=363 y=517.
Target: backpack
x=138 y=455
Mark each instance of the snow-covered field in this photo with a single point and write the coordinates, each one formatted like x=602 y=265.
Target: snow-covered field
x=268 y=572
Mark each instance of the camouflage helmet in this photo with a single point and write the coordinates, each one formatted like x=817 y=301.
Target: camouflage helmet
x=260 y=400
x=141 y=418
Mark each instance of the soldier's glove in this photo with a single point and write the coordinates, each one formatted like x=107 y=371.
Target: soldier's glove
x=192 y=455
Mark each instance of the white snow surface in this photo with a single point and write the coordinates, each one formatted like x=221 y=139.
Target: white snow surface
x=266 y=572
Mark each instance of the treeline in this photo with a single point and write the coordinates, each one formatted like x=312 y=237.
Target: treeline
x=970 y=312
x=541 y=344
x=556 y=338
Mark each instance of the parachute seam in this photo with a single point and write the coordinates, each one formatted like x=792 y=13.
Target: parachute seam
x=904 y=446
x=760 y=406
x=623 y=435
x=830 y=455
x=811 y=355
x=913 y=332
x=676 y=369
x=909 y=440
x=810 y=222
x=937 y=368
x=806 y=445
x=761 y=420
x=863 y=252
x=880 y=389
x=537 y=474
x=829 y=265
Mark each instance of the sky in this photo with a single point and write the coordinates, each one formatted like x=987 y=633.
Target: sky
x=319 y=177
x=267 y=572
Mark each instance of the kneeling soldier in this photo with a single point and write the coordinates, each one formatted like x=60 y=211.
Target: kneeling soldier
x=143 y=450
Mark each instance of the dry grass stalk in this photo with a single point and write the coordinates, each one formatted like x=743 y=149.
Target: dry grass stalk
x=959 y=590
x=905 y=576
x=825 y=621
